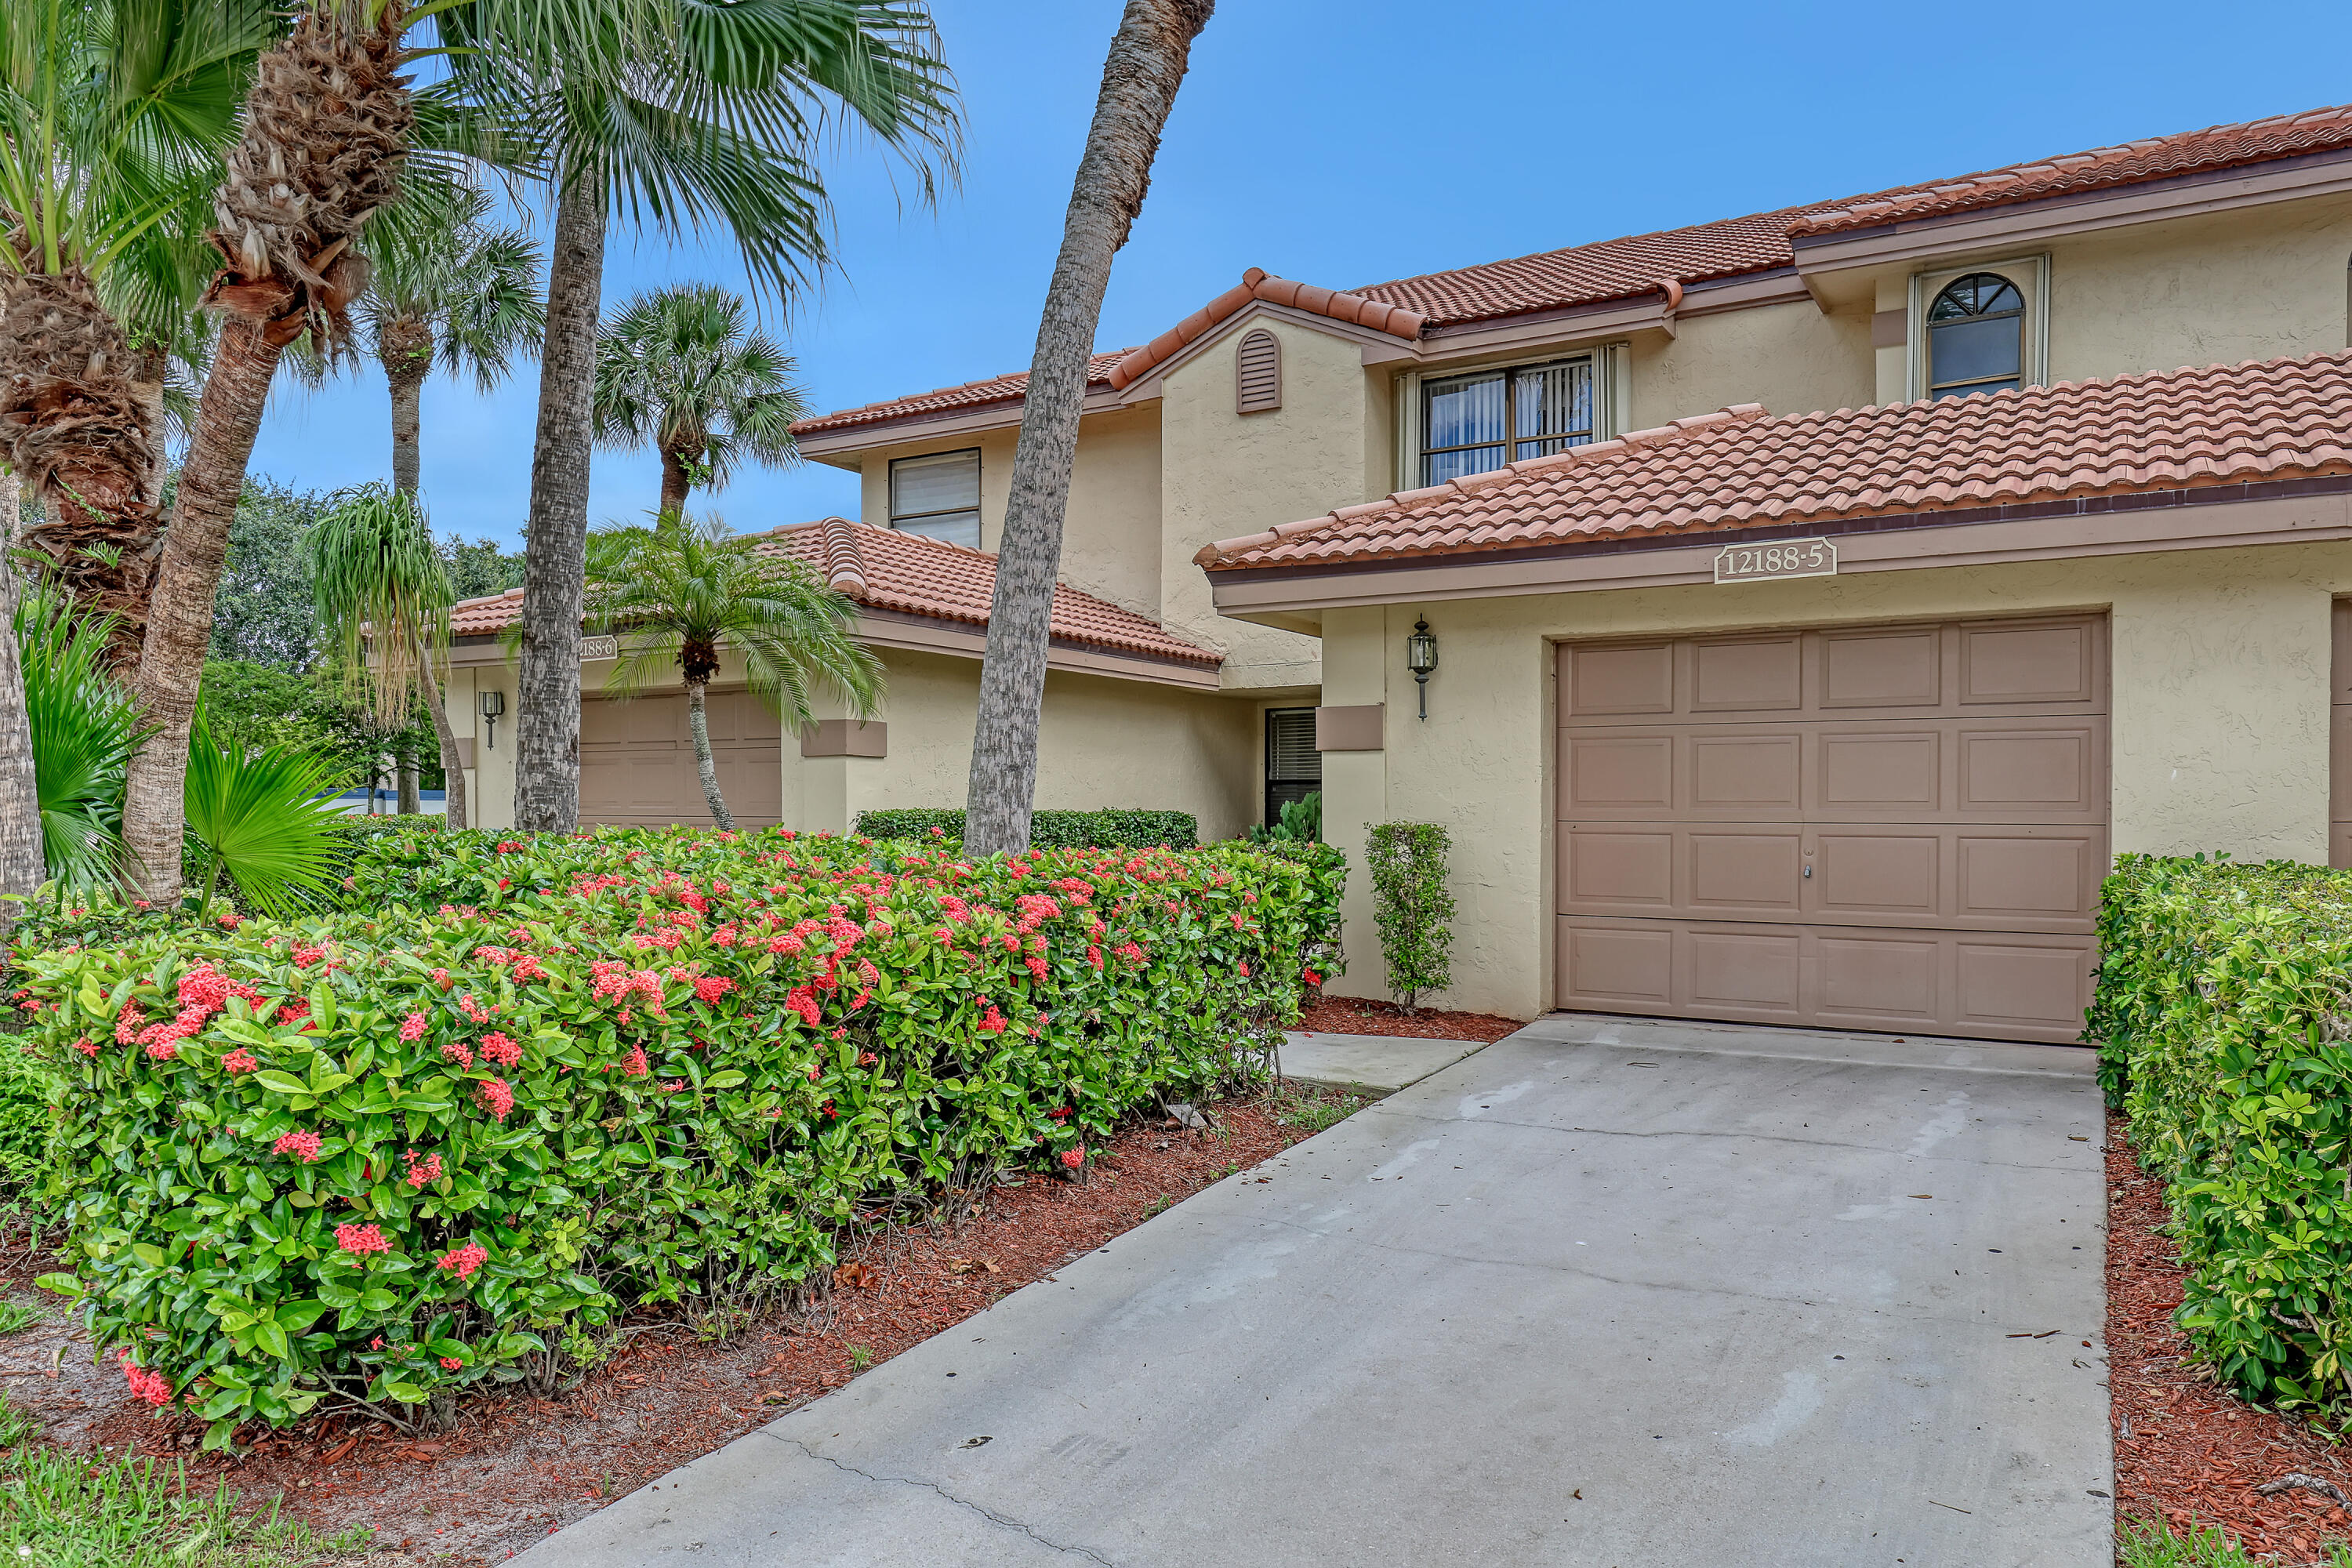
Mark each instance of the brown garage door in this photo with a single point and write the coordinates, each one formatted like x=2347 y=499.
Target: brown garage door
x=637 y=762
x=1883 y=827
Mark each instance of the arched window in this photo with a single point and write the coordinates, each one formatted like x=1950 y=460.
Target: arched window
x=1257 y=374
x=1976 y=336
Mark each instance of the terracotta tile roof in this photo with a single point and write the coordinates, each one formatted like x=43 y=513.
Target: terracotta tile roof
x=1257 y=284
x=907 y=573
x=1739 y=468
x=912 y=575
x=2133 y=162
x=1006 y=388
x=1635 y=265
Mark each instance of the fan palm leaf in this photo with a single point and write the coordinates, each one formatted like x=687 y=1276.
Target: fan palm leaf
x=264 y=819
x=84 y=727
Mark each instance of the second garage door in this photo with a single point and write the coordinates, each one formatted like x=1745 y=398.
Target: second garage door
x=1883 y=827
x=637 y=762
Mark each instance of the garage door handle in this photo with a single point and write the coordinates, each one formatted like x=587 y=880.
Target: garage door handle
x=1809 y=872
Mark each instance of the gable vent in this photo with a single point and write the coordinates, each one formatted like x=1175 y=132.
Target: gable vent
x=1257 y=374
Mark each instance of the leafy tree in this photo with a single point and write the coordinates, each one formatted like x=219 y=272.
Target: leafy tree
x=382 y=598
x=252 y=705
x=1149 y=56
x=262 y=610
x=682 y=591
x=479 y=568
x=682 y=370
x=716 y=120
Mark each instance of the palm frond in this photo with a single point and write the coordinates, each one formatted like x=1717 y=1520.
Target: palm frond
x=85 y=729
x=265 y=818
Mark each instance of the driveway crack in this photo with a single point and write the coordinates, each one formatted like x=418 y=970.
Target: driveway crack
x=1000 y=1520
x=1714 y=1132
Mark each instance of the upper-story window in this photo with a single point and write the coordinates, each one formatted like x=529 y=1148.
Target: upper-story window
x=1475 y=424
x=937 y=495
x=1976 y=336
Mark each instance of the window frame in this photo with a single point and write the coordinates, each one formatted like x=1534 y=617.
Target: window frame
x=1270 y=808
x=978 y=508
x=1418 y=452
x=2029 y=274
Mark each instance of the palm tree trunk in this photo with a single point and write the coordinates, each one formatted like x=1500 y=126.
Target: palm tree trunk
x=407 y=398
x=675 y=484
x=554 y=583
x=180 y=620
x=407 y=799
x=1147 y=64
x=706 y=766
x=20 y=799
x=454 y=802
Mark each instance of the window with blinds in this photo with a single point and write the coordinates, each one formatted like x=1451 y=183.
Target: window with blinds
x=1476 y=424
x=937 y=495
x=1257 y=373
x=1294 y=768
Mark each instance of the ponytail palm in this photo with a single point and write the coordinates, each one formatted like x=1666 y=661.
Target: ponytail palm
x=683 y=371
x=681 y=591
x=383 y=596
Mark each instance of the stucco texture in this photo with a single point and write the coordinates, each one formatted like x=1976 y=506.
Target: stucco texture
x=1103 y=742
x=1789 y=357
x=2219 y=704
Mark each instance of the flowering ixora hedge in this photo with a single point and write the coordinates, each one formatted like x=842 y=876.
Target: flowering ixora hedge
x=2224 y=1018
x=400 y=1149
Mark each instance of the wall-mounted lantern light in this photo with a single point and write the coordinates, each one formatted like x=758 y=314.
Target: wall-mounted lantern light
x=492 y=703
x=1420 y=658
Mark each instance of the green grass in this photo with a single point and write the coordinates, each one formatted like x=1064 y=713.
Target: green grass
x=68 y=1511
x=1315 y=1110
x=15 y=1315
x=2147 y=1545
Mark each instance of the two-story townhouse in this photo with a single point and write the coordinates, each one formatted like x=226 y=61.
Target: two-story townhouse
x=2011 y=589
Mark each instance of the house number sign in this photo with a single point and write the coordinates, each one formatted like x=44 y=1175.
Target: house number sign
x=1783 y=558
x=610 y=646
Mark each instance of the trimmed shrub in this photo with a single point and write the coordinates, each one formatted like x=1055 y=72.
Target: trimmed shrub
x=1411 y=907
x=2224 y=1014
x=392 y=1152
x=1047 y=829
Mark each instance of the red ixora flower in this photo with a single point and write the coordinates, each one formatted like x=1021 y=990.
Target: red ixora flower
x=358 y=1240
x=304 y=1144
x=150 y=1385
x=462 y=1261
x=423 y=1169
x=413 y=1027
x=1074 y=1158
x=452 y=1363
x=495 y=1097
x=240 y=1060
x=501 y=1050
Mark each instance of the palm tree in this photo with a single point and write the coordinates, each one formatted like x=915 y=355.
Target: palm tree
x=20 y=790
x=113 y=118
x=713 y=122
x=460 y=294
x=681 y=370
x=383 y=596
x=682 y=591
x=1149 y=56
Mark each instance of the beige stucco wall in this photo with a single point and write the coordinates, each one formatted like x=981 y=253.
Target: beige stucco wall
x=1226 y=474
x=1789 y=357
x=2219 y=704
x=1110 y=534
x=1104 y=743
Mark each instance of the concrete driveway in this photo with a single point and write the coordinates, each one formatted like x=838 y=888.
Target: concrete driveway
x=1607 y=1293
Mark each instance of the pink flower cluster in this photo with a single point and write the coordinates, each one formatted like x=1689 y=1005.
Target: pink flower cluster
x=462 y=1261
x=495 y=1097
x=240 y=1060
x=423 y=1169
x=712 y=987
x=499 y=1048
x=635 y=1064
x=358 y=1240
x=413 y=1027
x=303 y=1145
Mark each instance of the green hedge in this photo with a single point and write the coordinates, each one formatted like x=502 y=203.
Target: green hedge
x=2223 y=1013
x=394 y=1151
x=1047 y=829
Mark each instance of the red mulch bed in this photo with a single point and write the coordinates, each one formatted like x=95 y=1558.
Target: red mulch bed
x=1360 y=1015
x=517 y=1467
x=2185 y=1448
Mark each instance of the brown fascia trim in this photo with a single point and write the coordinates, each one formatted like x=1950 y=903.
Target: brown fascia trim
x=2149 y=194
x=1833 y=527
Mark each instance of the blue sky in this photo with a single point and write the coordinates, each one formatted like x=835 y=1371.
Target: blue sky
x=1346 y=141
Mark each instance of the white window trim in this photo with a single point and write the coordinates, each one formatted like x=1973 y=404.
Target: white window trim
x=1612 y=394
x=2033 y=271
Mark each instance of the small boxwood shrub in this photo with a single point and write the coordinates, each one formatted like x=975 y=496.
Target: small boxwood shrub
x=1047 y=829
x=387 y=1153
x=1411 y=906
x=2223 y=1014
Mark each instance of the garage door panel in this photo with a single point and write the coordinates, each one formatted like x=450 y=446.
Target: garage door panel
x=1896 y=827
x=637 y=762
x=1901 y=668
x=1745 y=772
x=1623 y=869
x=1748 y=676
x=1612 y=774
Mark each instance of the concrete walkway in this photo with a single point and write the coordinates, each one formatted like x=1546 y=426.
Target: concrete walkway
x=1605 y=1295
x=1382 y=1063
